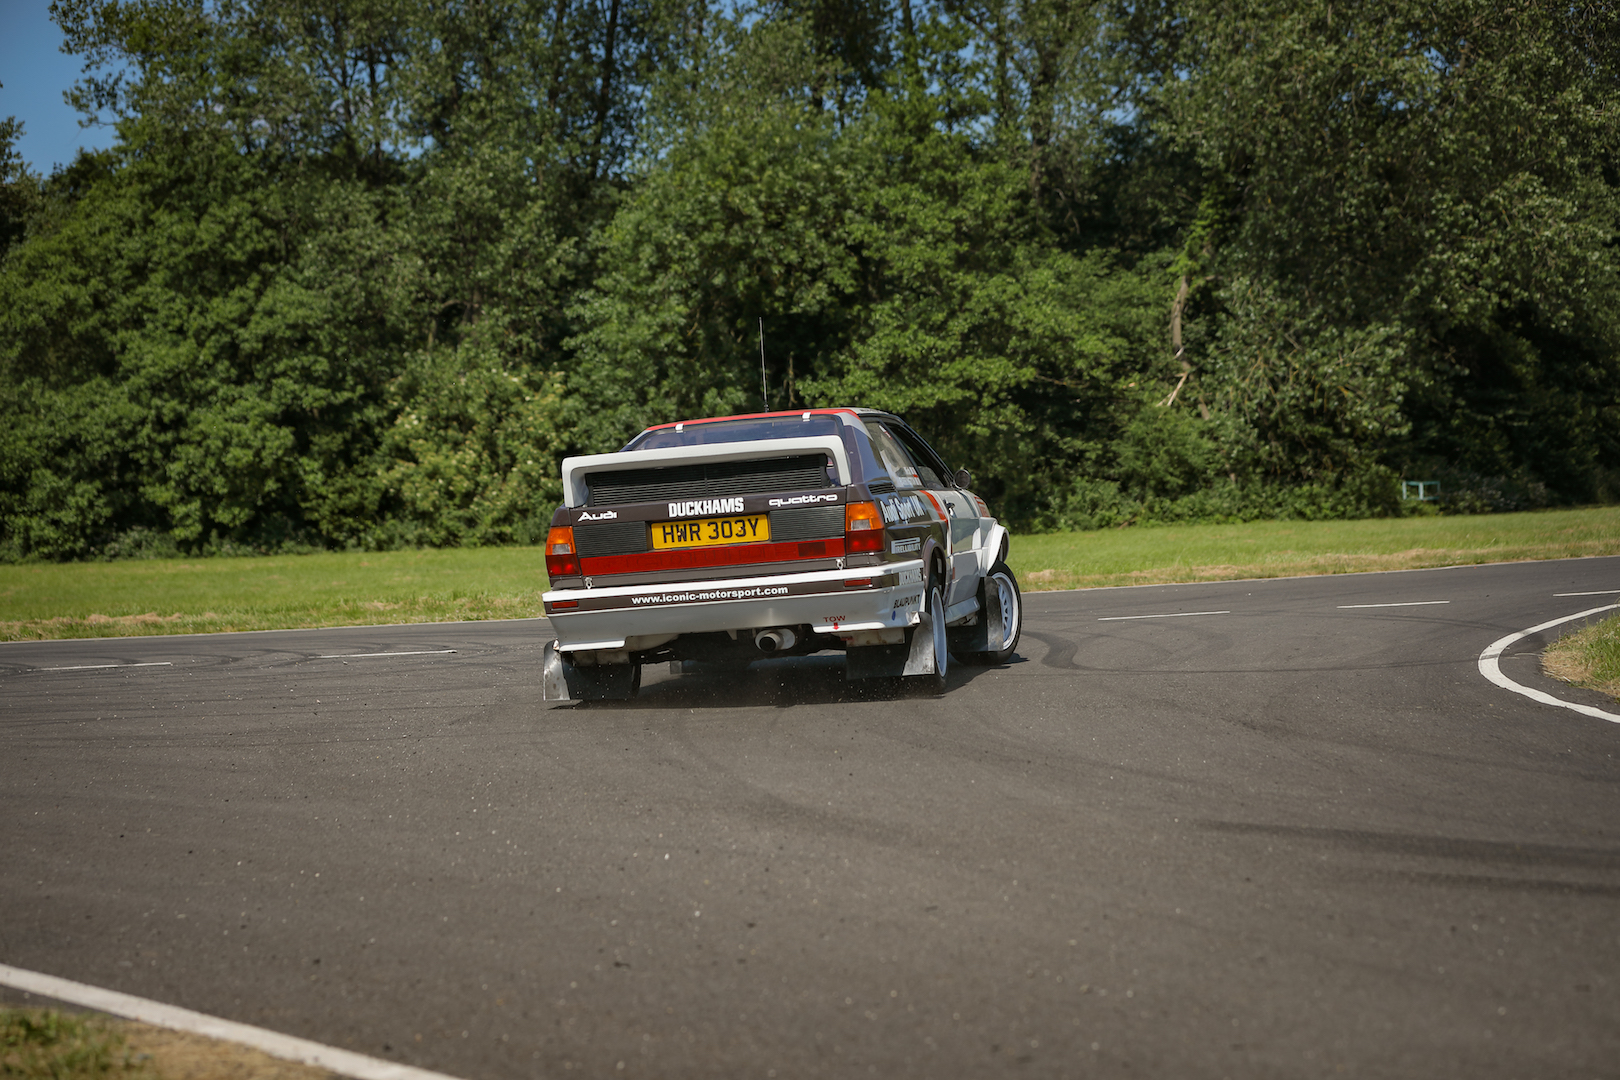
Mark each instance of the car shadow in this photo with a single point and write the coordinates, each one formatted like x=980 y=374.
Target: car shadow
x=776 y=683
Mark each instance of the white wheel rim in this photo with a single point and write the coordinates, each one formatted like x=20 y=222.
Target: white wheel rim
x=1007 y=597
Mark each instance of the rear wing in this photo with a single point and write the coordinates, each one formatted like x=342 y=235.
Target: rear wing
x=576 y=469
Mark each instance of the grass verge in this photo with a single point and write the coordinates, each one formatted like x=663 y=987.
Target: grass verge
x=44 y=1044
x=174 y=596
x=195 y=596
x=1157 y=555
x=1589 y=657
x=40 y=1043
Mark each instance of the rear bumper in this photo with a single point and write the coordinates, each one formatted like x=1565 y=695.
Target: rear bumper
x=828 y=601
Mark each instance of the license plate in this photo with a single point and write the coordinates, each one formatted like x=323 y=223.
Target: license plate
x=710 y=532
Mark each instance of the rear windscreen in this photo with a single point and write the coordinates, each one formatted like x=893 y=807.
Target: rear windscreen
x=752 y=429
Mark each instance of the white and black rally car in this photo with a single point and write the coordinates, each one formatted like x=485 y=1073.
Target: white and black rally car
x=726 y=540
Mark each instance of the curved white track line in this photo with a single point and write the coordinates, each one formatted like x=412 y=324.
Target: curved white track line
x=1489 y=667
x=343 y=1062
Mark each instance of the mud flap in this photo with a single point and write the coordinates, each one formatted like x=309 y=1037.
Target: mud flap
x=920 y=661
x=554 y=675
x=562 y=681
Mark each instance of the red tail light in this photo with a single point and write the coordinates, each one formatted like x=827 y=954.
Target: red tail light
x=562 y=558
x=863 y=527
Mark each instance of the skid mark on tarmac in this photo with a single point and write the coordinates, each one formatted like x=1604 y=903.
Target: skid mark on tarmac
x=375 y=655
x=1060 y=651
x=1429 y=846
x=1552 y=868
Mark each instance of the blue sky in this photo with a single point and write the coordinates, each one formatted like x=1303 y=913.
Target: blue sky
x=34 y=72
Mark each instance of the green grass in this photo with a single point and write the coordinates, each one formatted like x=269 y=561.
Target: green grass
x=184 y=596
x=1177 y=553
x=42 y=1044
x=170 y=596
x=1589 y=657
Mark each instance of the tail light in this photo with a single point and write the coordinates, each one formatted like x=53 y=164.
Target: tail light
x=863 y=527
x=562 y=559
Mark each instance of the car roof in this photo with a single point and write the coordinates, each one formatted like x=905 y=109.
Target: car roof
x=855 y=410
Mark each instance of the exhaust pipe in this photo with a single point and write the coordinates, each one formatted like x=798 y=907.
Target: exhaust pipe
x=776 y=639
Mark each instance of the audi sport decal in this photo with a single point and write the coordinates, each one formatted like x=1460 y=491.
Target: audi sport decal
x=897 y=508
x=606 y=515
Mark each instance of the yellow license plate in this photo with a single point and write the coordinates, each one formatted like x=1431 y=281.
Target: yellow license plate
x=710 y=532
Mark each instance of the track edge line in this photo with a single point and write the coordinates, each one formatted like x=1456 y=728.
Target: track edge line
x=287 y=1047
x=1492 y=669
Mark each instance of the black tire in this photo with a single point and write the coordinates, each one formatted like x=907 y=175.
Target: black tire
x=1000 y=587
x=933 y=683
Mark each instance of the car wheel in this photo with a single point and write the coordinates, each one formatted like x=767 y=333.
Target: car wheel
x=1001 y=590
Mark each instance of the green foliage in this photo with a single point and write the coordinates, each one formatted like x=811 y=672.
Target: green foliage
x=42 y=1044
x=19 y=188
x=737 y=220
x=360 y=273
x=469 y=460
x=1419 y=207
x=173 y=368
x=1588 y=657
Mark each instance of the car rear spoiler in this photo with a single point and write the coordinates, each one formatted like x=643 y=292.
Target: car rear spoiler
x=576 y=469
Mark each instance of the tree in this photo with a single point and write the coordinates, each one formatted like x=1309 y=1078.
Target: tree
x=1429 y=186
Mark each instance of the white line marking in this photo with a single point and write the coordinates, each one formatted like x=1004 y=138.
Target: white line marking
x=1489 y=667
x=1403 y=603
x=287 y=1047
x=1171 y=615
x=103 y=667
x=369 y=655
x=1600 y=592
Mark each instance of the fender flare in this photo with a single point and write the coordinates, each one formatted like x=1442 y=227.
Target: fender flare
x=995 y=546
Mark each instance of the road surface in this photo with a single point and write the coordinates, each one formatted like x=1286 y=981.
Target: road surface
x=1269 y=831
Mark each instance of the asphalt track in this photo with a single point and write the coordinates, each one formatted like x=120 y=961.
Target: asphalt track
x=1294 y=839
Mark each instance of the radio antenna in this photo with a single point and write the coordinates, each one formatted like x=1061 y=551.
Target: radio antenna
x=763 y=394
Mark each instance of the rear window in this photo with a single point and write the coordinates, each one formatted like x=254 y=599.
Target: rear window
x=752 y=429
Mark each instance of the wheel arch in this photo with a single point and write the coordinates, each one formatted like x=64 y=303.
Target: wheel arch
x=994 y=549
x=936 y=558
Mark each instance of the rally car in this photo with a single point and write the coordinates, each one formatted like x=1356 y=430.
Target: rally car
x=722 y=541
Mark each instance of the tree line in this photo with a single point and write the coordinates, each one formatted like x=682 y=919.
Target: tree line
x=361 y=272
